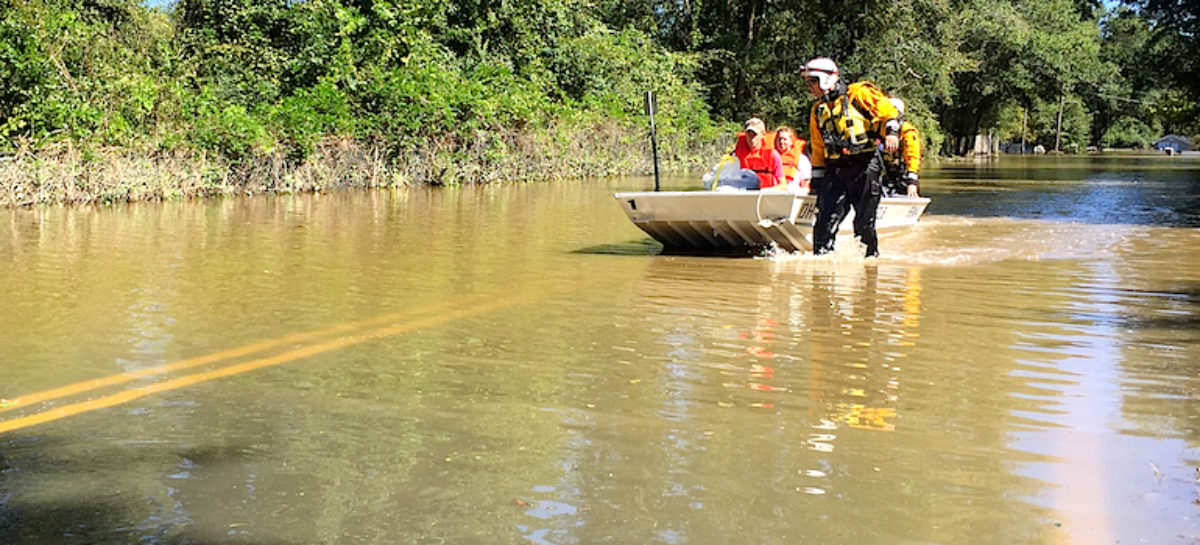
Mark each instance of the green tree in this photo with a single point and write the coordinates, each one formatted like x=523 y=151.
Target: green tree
x=1130 y=132
x=81 y=70
x=1176 y=38
x=1028 y=52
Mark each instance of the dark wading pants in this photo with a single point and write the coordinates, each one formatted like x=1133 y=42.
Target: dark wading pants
x=853 y=181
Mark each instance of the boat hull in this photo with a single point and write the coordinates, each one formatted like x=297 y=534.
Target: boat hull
x=746 y=222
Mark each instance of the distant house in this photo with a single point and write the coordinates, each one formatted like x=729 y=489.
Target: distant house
x=1172 y=142
x=1015 y=147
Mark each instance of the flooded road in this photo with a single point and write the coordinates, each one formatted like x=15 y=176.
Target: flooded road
x=517 y=364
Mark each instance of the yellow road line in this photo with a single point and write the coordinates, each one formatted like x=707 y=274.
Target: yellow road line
x=88 y=385
x=189 y=380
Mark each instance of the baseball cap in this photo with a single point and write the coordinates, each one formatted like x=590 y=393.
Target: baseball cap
x=755 y=124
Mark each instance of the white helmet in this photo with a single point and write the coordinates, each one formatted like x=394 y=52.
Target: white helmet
x=899 y=104
x=824 y=70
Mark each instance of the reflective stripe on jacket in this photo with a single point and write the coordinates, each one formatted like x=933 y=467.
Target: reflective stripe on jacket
x=908 y=157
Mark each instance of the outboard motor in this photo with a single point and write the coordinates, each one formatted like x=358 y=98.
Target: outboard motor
x=728 y=176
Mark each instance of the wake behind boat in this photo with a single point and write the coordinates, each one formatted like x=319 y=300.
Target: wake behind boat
x=747 y=222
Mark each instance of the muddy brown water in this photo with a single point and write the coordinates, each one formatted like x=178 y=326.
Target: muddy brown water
x=517 y=364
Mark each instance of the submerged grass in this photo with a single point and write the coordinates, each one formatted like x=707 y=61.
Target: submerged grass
x=70 y=174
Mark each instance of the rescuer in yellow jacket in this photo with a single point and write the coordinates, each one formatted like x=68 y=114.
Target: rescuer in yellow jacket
x=847 y=165
x=901 y=167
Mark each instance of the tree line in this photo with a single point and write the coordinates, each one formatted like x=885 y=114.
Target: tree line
x=1071 y=72
x=244 y=78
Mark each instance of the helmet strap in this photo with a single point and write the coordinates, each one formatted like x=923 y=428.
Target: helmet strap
x=839 y=88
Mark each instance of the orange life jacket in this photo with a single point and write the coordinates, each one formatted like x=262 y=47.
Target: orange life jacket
x=791 y=159
x=760 y=160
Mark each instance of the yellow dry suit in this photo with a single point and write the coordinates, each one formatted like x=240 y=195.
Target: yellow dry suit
x=849 y=124
x=844 y=125
x=843 y=129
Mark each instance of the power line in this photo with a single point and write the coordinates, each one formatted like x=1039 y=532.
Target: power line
x=1115 y=97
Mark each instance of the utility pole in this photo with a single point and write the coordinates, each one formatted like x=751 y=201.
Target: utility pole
x=1058 y=132
x=1024 y=112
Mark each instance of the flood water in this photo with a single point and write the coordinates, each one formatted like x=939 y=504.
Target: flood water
x=517 y=364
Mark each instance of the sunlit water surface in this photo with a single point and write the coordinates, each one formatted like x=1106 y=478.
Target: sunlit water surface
x=517 y=364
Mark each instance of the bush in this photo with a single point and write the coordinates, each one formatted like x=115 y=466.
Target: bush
x=228 y=129
x=312 y=114
x=1129 y=132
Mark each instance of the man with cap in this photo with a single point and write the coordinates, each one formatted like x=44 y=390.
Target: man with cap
x=754 y=153
x=844 y=124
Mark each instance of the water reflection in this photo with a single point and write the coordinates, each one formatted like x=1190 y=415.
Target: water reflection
x=1134 y=190
x=791 y=369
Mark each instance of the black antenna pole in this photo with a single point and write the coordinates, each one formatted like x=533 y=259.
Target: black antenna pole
x=651 y=105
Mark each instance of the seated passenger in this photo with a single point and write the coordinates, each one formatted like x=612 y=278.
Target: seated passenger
x=753 y=154
x=797 y=171
x=900 y=176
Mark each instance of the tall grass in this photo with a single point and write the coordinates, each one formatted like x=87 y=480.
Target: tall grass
x=70 y=174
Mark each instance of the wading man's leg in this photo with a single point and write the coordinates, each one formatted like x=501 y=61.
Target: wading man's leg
x=831 y=210
x=865 y=192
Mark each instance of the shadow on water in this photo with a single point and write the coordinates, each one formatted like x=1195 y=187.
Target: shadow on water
x=93 y=520
x=648 y=247
x=89 y=503
x=1163 y=322
x=1184 y=302
x=645 y=246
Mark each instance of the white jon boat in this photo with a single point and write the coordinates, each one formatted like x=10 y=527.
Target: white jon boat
x=747 y=222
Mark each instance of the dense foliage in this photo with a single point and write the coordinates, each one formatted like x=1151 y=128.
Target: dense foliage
x=965 y=67
x=252 y=78
x=245 y=78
